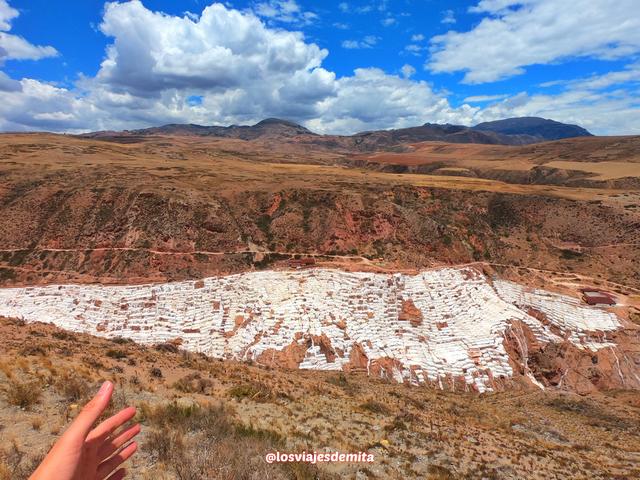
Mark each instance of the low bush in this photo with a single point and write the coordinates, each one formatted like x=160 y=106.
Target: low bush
x=375 y=407
x=73 y=388
x=167 y=347
x=193 y=383
x=23 y=394
x=257 y=392
x=341 y=380
x=117 y=354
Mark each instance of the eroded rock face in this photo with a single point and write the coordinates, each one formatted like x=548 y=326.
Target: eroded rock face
x=453 y=328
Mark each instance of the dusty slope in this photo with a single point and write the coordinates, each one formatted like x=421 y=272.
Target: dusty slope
x=413 y=432
x=170 y=208
x=432 y=149
x=586 y=161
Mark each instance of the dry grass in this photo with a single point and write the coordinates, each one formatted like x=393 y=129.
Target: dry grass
x=193 y=383
x=36 y=423
x=23 y=394
x=603 y=170
x=15 y=464
x=72 y=387
x=203 y=442
x=376 y=407
x=223 y=430
x=255 y=391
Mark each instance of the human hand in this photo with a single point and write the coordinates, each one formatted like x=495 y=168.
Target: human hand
x=86 y=453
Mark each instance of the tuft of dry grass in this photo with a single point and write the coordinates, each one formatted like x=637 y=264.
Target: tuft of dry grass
x=376 y=407
x=7 y=370
x=23 y=394
x=193 y=383
x=340 y=380
x=116 y=353
x=73 y=388
x=258 y=392
x=15 y=464
x=162 y=443
x=36 y=423
x=437 y=472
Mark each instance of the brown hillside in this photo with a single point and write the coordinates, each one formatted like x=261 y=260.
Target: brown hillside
x=586 y=161
x=168 y=208
x=212 y=419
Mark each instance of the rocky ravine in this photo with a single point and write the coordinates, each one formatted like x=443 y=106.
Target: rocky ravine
x=453 y=328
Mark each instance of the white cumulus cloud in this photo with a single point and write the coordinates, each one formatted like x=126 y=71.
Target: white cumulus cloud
x=407 y=70
x=13 y=47
x=7 y=13
x=225 y=48
x=372 y=99
x=240 y=70
x=448 y=17
x=515 y=34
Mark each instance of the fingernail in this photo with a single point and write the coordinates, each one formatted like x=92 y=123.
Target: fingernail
x=104 y=388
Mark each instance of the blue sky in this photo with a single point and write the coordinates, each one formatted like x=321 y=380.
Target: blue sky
x=337 y=67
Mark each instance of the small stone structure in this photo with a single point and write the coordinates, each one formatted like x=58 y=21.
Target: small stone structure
x=596 y=297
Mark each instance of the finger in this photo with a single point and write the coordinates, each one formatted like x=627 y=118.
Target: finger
x=111 y=446
x=118 y=474
x=92 y=411
x=106 y=467
x=111 y=424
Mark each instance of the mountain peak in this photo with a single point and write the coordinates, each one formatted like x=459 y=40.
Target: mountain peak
x=277 y=121
x=535 y=126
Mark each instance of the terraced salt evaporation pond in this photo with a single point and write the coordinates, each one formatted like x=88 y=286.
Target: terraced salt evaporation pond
x=428 y=327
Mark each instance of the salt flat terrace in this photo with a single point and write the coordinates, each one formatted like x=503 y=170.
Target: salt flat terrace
x=431 y=327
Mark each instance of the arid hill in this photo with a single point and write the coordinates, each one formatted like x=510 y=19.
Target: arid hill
x=202 y=418
x=612 y=162
x=166 y=208
x=434 y=149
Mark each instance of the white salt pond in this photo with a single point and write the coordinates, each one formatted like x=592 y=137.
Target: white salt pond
x=464 y=316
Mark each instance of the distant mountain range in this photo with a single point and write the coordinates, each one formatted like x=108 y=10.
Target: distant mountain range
x=512 y=131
